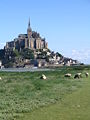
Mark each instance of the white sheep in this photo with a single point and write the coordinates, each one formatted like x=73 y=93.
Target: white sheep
x=0 y=78
x=68 y=75
x=78 y=75
x=87 y=74
x=43 y=77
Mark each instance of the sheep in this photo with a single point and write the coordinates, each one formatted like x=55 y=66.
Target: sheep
x=78 y=75
x=0 y=78
x=43 y=77
x=68 y=75
x=87 y=74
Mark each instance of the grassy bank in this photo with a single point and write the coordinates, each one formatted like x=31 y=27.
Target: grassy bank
x=24 y=95
x=75 y=106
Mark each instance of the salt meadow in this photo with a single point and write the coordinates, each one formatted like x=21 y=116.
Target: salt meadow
x=24 y=96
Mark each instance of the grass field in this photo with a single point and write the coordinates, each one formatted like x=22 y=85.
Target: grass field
x=24 y=96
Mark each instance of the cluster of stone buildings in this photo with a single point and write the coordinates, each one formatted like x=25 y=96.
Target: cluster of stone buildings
x=31 y=40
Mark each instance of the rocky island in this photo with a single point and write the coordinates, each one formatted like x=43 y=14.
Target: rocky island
x=29 y=50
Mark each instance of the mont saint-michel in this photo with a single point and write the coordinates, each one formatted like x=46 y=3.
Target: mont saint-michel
x=29 y=50
x=31 y=40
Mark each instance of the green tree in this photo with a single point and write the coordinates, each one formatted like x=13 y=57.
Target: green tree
x=27 y=54
x=2 y=54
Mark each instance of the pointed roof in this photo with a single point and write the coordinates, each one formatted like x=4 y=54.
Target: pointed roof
x=29 y=23
x=29 y=28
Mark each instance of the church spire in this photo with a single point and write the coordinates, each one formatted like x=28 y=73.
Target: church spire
x=29 y=23
x=29 y=27
x=29 y=30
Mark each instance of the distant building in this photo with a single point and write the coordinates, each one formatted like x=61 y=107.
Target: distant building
x=0 y=64
x=31 y=40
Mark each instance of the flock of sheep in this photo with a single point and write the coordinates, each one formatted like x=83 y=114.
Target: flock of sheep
x=77 y=75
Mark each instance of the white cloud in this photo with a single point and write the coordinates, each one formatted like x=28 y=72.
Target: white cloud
x=81 y=55
x=2 y=45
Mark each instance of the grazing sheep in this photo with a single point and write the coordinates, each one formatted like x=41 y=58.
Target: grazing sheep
x=78 y=75
x=0 y=78
x=43 y=77
x=68 y=75
x=87 y=74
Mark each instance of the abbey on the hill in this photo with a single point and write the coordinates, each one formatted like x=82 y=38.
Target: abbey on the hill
x=31 y=40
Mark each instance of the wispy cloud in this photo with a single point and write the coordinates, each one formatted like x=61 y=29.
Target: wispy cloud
x=81 y=55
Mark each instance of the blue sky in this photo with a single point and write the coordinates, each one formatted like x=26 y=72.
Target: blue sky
x=64 y=23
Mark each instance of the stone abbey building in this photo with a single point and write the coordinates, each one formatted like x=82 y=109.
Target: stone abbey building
x=31 y=40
